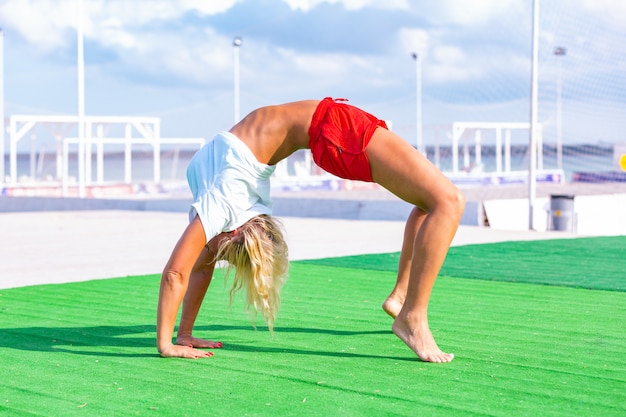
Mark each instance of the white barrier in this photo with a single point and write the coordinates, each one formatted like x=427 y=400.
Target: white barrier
x=594 y=215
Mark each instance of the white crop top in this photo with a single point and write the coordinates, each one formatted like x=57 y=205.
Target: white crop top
x=228 y=184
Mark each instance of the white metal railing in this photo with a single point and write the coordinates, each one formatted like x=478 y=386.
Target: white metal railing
x=148 y=129
x=128 y=143
x=460 y=128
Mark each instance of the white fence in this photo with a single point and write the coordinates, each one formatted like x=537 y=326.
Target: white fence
x=98 y=134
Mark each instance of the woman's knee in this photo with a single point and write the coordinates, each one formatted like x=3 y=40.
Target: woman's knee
x=452 y=201
x=457 y=202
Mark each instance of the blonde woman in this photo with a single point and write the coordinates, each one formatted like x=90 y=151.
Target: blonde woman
x=230 y=218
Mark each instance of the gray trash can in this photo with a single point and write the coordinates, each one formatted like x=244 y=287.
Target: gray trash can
x=562 y=212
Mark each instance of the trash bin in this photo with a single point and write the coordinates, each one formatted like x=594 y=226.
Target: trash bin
x=562 y=212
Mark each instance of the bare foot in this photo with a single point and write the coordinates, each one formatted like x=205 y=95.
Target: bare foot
x=392 y=306
x=419 y=338
x=197 y=343
x=178 y=351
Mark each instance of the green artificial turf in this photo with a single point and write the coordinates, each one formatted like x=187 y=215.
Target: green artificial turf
x=595 y=263
x=87 y=349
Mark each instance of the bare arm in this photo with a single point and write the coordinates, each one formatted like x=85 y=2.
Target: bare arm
x=199 y=282
x=174 y=282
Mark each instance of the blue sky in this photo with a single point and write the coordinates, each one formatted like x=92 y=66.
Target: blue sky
x=174 y=59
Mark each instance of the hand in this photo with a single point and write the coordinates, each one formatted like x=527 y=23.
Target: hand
x=178 y=351
x=189 y=340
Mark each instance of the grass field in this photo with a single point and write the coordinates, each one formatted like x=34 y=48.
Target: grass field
x=537 y=329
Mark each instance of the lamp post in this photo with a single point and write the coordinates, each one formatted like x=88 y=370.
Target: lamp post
x=418 y=79
x=2 y=178
x=82 y=173
x=532 y=140
x=237 y=41
x=559 y=51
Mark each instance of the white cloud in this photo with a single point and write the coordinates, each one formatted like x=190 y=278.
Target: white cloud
x=208 y=7
x=192 y=55
x=45 y=23
x=285 y=65
x=41 y=23
x=450 y=55
x=475 y=13
x=196 y=55
x=441 y=62
x=414 y=40
x=111 y=31
x=476 y=49
x=612 y=12
x=136 y=13
x=307 y=5
x=450 y=64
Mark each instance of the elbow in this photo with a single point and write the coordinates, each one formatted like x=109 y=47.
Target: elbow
x=172 y=279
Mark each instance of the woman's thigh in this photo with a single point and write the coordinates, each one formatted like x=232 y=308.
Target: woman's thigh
x=404 y=171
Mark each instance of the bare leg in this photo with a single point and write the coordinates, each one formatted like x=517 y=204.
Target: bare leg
x=408 y=174
x=199 y=282
x=393 y=304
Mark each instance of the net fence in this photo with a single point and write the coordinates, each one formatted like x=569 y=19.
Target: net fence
x=581 y=108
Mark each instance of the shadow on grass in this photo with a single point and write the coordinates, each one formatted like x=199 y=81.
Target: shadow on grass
x=333 y=332
x=340 y=354
x=75 y=340
x=72 y=339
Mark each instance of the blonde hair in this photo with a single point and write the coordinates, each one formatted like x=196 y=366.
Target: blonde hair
x=258 y=253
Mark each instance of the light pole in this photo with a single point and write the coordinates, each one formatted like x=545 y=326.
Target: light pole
x=82 y=172
x=2 y=178
x=559 y=51
x=237 y=41
x=532 y=140
x=418 y=79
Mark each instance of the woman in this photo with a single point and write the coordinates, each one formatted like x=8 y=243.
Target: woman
x=230 y=218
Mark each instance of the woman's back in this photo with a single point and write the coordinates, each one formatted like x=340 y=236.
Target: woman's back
x=274 y=132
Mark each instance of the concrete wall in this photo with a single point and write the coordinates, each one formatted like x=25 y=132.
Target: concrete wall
x=14 y=204
x=594 y=215
x=283 y=206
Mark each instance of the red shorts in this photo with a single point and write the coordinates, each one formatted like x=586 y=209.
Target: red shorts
x=339 y=134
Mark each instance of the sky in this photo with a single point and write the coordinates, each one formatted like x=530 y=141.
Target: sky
x=175 y=60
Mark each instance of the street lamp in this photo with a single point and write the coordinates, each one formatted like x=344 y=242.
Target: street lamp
x=532 y=139
x=418 y=77
x=559 y=51
x=237 y=41
x=82 y=164
x=2 y=178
